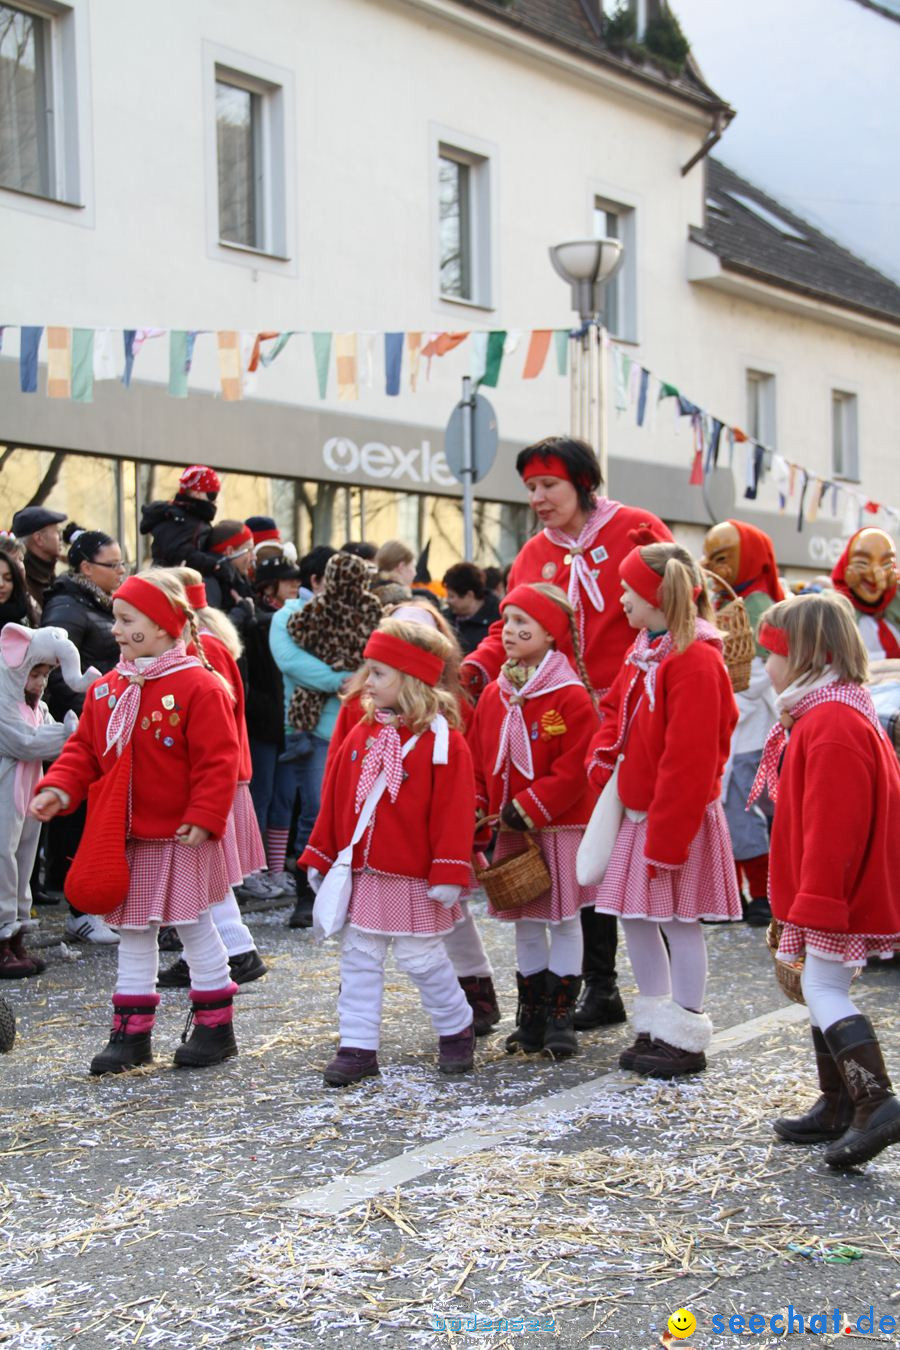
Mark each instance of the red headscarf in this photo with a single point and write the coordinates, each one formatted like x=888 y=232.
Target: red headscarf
x=758 y=570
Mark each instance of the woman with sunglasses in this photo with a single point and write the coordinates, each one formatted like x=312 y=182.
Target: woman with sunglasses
x=80 y=601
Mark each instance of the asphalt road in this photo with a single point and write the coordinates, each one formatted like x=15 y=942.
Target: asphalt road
x=249 y=1205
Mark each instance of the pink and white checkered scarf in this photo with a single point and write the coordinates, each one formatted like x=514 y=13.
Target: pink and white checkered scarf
x=836 y=691
x=582 y=581
x=554 y=672
x=384 y=753
x=121 y=724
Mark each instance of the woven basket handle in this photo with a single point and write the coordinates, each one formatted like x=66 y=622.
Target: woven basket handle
x=495 y=820
x=720 y=581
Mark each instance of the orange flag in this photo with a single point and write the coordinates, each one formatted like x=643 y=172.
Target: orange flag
x=537 y=352
x=59 y=362
x=414 y=348
x=443 y=343
x=254 y=355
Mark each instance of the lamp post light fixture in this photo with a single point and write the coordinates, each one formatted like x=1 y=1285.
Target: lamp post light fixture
x=587 y=265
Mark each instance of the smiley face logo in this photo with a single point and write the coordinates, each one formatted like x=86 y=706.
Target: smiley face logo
x=682 y=1324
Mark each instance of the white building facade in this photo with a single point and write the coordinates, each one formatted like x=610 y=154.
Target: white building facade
x=372 y=167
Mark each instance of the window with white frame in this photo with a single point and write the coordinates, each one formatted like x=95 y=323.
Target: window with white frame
x=761 y=407
x=844 y=436
x=250 y=162
x=612 y=220
x=464 y=225
x=39 y=132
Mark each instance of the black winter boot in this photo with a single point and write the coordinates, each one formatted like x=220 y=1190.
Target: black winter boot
x=212 y=1039
x=876 y=1111
x=531 y=1014
x=559 y=1031
x=831 y=1114
x=129 y=1044
x=302 y=913
x=601 y=1003
x=482 y=999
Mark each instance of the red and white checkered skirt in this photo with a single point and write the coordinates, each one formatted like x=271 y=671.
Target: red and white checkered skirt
x=170 y=882
x=383 y=902
x=242 y=841
x=704 y=887
x=565 y=898
x=850 y=949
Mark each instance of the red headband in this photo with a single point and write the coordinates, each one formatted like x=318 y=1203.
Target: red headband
x=644 y=580
x=547 y=466
x=197 y=595
x=260 y=536
x=401 y=655
x=772 y=638
x=153 y=602
x=641 y=577
x=241 y=536
x=541 y=608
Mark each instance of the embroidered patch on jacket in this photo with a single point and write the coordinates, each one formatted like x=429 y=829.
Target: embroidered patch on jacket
x=101 y=690
x=552 y=725
x=548 y=571
x=599 y=554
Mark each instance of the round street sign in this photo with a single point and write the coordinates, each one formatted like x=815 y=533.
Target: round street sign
x=484 y=439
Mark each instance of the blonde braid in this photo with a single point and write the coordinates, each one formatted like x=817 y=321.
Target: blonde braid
x=197 y=640
x=579 y=659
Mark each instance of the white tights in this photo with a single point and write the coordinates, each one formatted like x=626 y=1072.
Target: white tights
x=204 y=952
x=425 y=961
x=826 y=986
x=232 y=929
x=465 y=948
x=564 y=954
x=680 y=972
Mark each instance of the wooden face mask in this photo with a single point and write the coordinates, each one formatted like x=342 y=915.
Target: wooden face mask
x=872 y=566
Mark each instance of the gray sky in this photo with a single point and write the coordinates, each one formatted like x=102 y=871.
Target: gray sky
x=816 y=85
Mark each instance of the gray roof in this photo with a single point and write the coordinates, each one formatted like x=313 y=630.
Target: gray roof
x=574 y=24
x=784 y=250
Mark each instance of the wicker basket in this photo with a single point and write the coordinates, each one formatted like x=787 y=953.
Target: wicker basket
x=786 y=973
x=740 y=644
x=517 y=880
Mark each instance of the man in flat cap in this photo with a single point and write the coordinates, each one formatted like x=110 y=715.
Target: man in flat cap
x=38 y=529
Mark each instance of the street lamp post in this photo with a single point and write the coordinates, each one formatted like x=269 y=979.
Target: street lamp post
x=587 y=265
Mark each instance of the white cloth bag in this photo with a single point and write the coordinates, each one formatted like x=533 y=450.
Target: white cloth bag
x=601 y=832
x=333 y=896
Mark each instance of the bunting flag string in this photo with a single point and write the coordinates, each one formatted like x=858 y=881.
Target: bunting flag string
x=78 y=358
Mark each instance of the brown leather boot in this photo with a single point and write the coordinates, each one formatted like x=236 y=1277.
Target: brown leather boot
x=17 y=944
x=482 y=999
x=13 y=966
x=680 y=1038
x=829 y=1117
x=876 y=1111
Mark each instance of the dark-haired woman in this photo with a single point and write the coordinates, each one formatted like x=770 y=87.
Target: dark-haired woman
x=583 y=538
x=16 y=605
x=80 y=601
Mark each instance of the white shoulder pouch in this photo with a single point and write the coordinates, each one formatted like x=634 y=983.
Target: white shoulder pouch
x=601 y=832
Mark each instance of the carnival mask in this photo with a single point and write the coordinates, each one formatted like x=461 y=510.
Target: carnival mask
x=722 y=552
x=872 y=565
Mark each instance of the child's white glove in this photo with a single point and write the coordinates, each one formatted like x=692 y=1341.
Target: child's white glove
x=314 y=878
x=445 y=895
x=70 y=721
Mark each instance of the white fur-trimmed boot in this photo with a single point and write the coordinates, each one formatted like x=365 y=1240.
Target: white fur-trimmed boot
x=680 y=1038
x=642 y=1020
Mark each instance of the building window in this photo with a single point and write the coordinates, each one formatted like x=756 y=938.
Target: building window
x=612 y=220
x=26 y=149
x=761 y=407
x=44 y=114
x=464 y=225
x=252 y=151
x=844 y=436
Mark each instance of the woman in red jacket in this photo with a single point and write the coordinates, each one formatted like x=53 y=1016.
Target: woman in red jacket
x=529 y=738
x=583 y=538
x=668 y=720
x=165 y=719
x=412 y=861
x=834 y=862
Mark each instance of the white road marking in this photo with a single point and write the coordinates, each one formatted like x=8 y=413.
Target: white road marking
x=346 y=1191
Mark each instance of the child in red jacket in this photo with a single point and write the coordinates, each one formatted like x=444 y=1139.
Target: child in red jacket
x=532 y=728
x=164 y=719
x=668 y=719
x=413 y=860
x=835 y=860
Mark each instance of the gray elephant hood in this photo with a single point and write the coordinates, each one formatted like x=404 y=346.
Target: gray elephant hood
x=21 y=649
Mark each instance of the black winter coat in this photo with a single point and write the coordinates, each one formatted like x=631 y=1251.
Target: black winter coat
x=265 y=685
x=471 y=630
x=88 y=624
x=180 y=530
